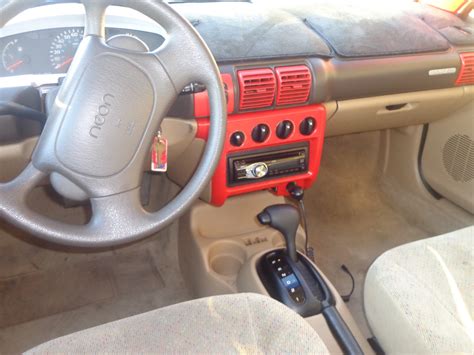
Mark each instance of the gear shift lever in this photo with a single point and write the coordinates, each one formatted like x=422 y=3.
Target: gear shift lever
x=295 y=281
x=285 y=219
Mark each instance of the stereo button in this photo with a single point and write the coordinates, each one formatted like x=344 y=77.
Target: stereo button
x=252 y=171
x=259 y=170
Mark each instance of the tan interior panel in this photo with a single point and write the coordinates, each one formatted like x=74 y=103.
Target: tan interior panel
x=215 y=242
x=249 y=281
x=14 y=157
x=219 y=248
x=390 y=111
x=13 y=129
x=180 y=133
x=331 y=109
x=185 y=151
x=448 y=157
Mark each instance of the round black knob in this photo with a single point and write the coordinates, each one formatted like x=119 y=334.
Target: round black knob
x=284 y=129
x=260 y=133
x=308 y=126
x=237 y=139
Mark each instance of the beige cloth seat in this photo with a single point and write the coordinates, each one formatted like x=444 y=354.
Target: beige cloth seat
x=243 y=323
x=419 y=297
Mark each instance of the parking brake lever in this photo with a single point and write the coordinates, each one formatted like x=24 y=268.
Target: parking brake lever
x=285 y=219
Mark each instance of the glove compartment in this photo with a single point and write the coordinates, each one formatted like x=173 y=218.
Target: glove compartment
x=398 y=110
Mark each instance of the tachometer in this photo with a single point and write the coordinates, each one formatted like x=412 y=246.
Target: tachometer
x=14 y=57
x=64 y=47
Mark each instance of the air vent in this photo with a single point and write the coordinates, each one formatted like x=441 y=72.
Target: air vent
x=466 y=75
x=257 y=88
x=294 y=85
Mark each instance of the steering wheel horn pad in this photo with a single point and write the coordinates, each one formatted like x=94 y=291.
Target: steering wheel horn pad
x=101 y=126
x=111 y=123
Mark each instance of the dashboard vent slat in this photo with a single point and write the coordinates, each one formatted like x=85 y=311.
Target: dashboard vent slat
x=466 y=74
x=294 y=84
x=257 y=88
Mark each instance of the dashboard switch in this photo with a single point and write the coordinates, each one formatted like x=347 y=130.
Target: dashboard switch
x=237 y=139
x=308 y=126
x=285 y=129
x=260 y=133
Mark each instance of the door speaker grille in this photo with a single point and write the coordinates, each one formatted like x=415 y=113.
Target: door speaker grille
x=458 y=157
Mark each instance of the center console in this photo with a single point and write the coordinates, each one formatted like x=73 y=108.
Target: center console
x=291 y=278
x=227 y=249
x=231 y=240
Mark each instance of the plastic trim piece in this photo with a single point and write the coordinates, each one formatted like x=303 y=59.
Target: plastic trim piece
x=428 y=187
x=318 y=298
x=257 y=88
x=466 y=74
x=341 y=331
x=201 y=99
x=294 y=85
x=21 y=111
x=246 y=123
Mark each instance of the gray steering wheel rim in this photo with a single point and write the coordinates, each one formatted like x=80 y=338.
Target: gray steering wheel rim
x=122 y=219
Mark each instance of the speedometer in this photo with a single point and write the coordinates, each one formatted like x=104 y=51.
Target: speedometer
x=64 y=47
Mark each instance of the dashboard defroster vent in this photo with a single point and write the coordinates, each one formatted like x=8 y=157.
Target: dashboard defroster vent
x=257 y=88
x=466 y=74
x=294 y=84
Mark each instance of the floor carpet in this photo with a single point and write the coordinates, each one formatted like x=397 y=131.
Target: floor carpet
x=350 y=220
x=48 y=291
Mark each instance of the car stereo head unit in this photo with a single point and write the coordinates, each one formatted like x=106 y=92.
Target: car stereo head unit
x=265 y=164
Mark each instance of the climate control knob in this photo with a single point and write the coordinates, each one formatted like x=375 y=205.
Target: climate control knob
x=237 y=139
x=260 y=133
x=284 y=129
x=307 y=126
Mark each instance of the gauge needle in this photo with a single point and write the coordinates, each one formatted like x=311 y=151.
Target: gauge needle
x=15 y=65
x=66 y=62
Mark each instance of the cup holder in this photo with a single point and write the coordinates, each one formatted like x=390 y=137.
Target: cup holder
x=226 y=258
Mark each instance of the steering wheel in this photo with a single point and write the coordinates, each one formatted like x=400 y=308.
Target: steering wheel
x=100 y=129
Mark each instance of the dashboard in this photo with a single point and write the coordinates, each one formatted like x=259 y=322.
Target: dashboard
x=289 y=73
x=50 y=51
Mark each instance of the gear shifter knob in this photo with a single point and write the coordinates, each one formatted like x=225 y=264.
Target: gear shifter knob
x=285 y=219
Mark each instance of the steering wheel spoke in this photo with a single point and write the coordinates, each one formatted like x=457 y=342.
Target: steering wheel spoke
x=95 y=17
x=185 y=69
x=13 y=194
x=115 y=217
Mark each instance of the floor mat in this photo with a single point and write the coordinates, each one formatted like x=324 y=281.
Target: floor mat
x=71 y=292
x=349 y=218
x=48 y=291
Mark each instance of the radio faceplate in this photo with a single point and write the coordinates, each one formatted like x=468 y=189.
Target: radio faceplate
x=269 y=163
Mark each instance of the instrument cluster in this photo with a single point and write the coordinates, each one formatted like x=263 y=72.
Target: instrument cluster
x=51 y=51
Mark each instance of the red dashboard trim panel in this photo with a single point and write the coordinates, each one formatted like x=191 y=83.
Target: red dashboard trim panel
x=466 y=74
x=246 y=123
x=201 y=99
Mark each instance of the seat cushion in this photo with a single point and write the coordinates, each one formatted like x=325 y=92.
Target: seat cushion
x=243 y=323
x=419 y=297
